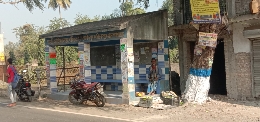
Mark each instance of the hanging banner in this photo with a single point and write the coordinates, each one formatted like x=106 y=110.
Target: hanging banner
x=208 y=39
x=205 y=11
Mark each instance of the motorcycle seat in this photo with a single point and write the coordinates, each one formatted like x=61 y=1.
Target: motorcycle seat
x=89 y=85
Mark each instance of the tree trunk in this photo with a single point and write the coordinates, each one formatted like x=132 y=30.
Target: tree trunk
x=59 y=12
x=197 y=84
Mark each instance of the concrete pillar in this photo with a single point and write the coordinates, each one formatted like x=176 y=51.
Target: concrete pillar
x=87 y=63
x=81 y=60
x=163 y=63
x=51 y=62
x=84 y=61
x=47 y=63
x=127 y=68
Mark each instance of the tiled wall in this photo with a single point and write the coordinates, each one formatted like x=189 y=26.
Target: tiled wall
x=141 y=72
x=103 y=72
x=107 y=73
x=111 y=72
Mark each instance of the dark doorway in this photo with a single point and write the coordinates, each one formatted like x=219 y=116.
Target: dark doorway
x=218 y=74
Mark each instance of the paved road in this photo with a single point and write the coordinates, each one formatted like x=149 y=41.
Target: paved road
x=30 y=114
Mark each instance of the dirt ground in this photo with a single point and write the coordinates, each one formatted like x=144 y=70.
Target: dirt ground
x=220 y=109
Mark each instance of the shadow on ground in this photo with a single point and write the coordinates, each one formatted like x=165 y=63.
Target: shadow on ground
x=253 y=102
x=53 y=104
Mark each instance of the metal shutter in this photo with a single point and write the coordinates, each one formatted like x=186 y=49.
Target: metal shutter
x=256 y=66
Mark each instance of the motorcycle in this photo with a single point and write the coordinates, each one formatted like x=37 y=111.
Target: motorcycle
x=82 y=92
x=23 y=89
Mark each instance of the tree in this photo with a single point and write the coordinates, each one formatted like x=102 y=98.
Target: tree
x=173 y=41
x=125 y=9
x=28 y=35
x=30 y=4
x=173 y=49
x=168 y=4
x=145 y=3
x=197 y=84
x=26 y=57
x=128 y=8
x=10 y=47
x=12 y=56
x=54 y=4
x=80 y=19
x=56 y=24
x=71 y=53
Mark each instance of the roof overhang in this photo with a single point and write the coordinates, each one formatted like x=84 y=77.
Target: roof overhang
x=83 y=32
x=252 y=33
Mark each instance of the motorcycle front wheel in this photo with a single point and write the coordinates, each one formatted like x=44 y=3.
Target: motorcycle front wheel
x=100 y=100
x=74 y=100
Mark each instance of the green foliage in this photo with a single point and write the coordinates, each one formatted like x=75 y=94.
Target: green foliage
x=80 y=19
x=26 y=56
x=71 y=53
x=29 y=43
x=64 y=4
x=173 y=42
x=10 y=47
x=173 y=49
x=168 y=4
x=144 y=3
x=29 y=4
x=12 y=56
x=128 y=9
x=54 y=4
x=125 y=9
x=57 y=23
x=174 y=55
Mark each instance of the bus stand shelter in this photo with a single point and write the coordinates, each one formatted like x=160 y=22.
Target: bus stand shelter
x=116 y=52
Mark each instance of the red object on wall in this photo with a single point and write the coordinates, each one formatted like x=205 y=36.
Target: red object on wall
x=52 y=55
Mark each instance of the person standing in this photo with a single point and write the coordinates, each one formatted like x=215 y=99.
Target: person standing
x=11 y=74
x=154 y=76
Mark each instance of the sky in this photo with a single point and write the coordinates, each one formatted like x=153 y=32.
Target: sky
x=12 y=17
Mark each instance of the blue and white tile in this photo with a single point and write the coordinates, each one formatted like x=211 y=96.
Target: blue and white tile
x=120 y=88
x=167 y=77
x=103 y=76
x=98 y=71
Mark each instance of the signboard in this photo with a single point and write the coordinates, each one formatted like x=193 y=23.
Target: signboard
x=208 y=39
x=205 y=11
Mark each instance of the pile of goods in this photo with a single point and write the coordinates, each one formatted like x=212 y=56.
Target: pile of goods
x=139 y=94
x=146 y=102
x=170 y=98
x=166 y=100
